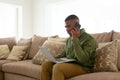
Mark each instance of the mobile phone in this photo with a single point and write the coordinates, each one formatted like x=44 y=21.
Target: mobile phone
x=77 y=25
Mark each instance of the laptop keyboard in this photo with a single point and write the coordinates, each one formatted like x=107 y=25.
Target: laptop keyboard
x=58 y=59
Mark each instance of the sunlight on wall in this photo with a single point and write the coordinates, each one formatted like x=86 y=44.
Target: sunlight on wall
x=95 y=16
x=10 y=20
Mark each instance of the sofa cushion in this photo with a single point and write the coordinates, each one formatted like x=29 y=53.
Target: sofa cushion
x=116 y=35
x=36 y=42
x=55 y=48
x=3 y=62
x=57 y=39
x=106 y=57
x=118 y=61
x=17 y=53
x=98 y=76
x=25 y=42
x=11 y=76
x=9 y=41
x=25 y=67
x=103 y=37
x=4 y=51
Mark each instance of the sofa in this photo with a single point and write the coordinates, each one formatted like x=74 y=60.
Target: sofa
x=25 y=69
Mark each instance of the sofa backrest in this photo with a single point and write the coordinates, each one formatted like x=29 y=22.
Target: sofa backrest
x=103 y=37
x=116 y=36
x=10 y=41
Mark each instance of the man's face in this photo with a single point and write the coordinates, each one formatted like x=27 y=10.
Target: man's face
x=69 y=25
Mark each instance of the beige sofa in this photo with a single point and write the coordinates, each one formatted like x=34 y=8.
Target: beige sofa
x=26 y=70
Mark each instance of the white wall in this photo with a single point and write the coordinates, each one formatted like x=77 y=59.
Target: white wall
x=95 y=15
x=34 y=15
x=39 y=16
x=27 y=17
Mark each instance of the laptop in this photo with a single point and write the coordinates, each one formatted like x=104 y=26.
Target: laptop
x=49 y=56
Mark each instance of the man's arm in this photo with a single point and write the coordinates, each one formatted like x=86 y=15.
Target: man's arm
x=84 y=53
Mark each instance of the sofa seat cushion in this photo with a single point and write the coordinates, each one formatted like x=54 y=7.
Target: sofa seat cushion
x=98 y=76
x=3 y=62
x=10 y=76
x=25 y=67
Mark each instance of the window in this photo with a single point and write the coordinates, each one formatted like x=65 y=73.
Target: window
x=95 y=16
x=10 y=20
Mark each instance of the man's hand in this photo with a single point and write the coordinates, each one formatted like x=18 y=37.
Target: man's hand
x=75 y=33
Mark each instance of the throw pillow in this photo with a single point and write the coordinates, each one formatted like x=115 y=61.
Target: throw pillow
x=118 y=62
x=58 y=39
x=4 y=51
x=106 y=57
x=55 y=48
x=17 y=53
x=25 y=42
x=36 y=42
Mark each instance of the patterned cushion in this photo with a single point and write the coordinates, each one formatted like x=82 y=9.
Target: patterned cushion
x=25 y=42
x=118 y=61
x=18 y=53
x=106 y=57
x=58 y=39
x=55 y=48
x=4 y=51
x=36 y=42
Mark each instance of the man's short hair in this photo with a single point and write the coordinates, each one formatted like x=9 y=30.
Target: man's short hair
x=71 y=17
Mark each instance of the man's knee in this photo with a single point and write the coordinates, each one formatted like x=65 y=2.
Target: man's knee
x=47 y=65
x=57 y=67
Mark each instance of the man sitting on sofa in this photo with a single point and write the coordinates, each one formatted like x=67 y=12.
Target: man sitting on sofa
x=80 y=46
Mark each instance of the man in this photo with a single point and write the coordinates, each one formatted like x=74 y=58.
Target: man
x=80 y=46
